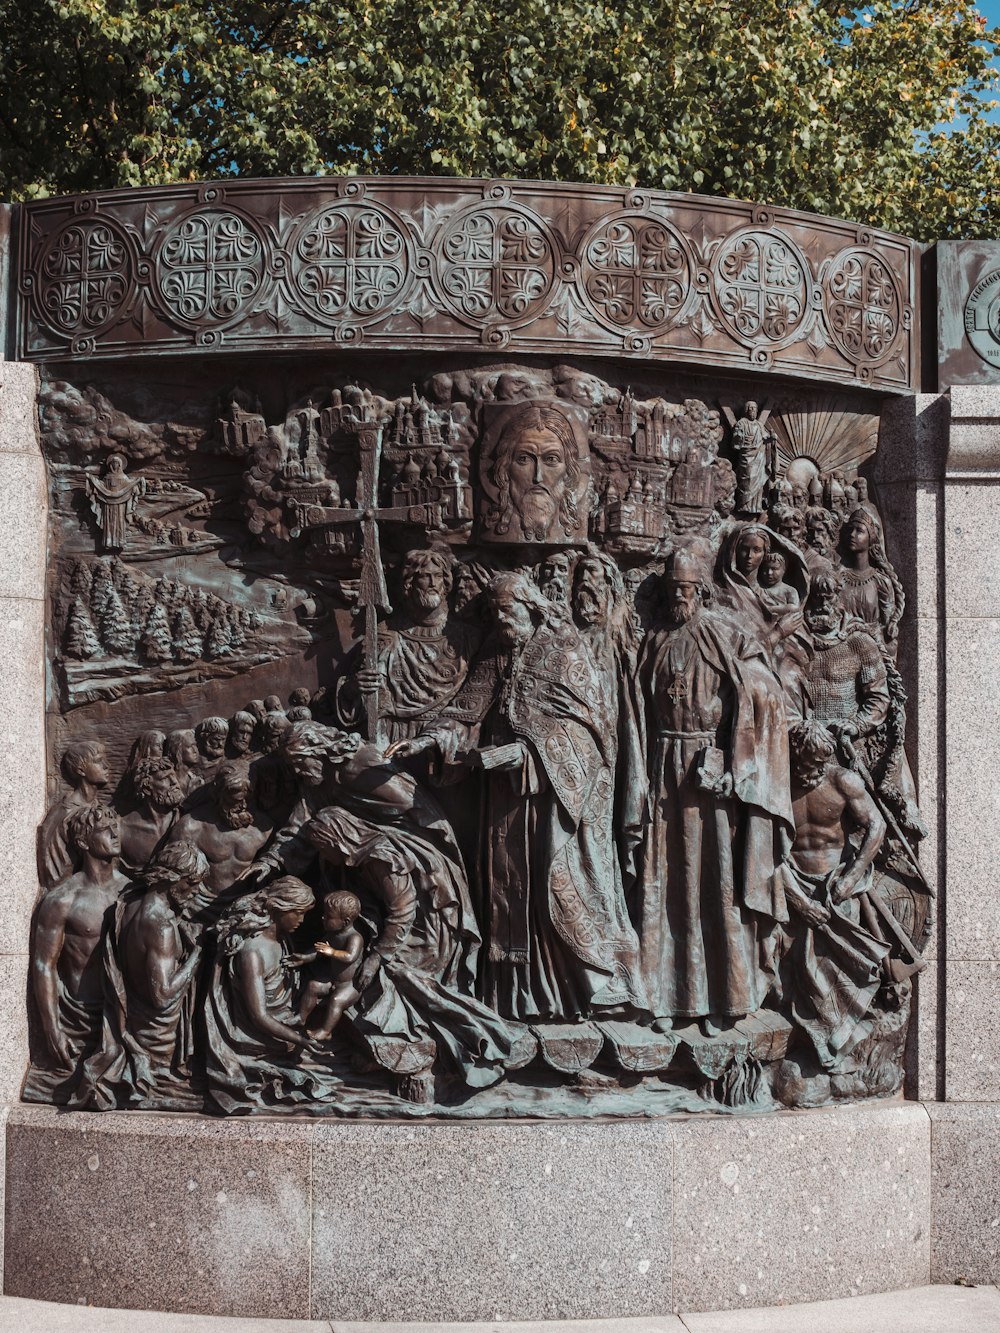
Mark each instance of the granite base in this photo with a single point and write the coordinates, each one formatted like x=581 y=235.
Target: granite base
x=466 y=1221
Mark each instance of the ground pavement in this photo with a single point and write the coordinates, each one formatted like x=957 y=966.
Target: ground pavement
x=920 y=1310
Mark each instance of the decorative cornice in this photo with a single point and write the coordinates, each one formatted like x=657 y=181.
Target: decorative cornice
x=418 y=264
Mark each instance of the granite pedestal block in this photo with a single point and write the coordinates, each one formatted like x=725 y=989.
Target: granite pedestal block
x=472 y=1222
x=965 y=1183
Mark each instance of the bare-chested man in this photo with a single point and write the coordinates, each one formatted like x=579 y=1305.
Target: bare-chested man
x=71 y=921
x=832 y=962
x=829 y=804
x=150 y=960
x=155 y=784
x=227 y=828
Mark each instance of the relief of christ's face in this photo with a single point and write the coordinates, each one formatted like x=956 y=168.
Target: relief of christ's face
x=538 y=473
x=537 y=480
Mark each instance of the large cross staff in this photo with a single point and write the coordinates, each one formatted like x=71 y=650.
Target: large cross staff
x=373 y=593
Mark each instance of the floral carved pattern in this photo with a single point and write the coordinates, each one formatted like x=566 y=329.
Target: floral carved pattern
x=351 y=261
x=85 y=278
x=761 y=287
x=863 y=306
x=636 y=271
x=210 y=267
x=531 y=265
x=498 y=265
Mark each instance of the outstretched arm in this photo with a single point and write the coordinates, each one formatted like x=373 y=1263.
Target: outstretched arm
x=285 y=850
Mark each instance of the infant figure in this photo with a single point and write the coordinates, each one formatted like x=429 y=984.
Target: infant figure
x=331 y=967
x=774 y=591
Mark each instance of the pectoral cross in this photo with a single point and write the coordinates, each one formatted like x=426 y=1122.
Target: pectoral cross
x=373 y=593
x=678 y=690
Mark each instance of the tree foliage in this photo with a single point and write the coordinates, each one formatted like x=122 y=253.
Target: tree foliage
x=877 y=114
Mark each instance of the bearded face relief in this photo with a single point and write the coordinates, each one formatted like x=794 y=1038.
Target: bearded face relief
x=536 y=476
x=519 y=741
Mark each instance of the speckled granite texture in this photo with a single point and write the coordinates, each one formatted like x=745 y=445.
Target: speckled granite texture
x=454 y=1221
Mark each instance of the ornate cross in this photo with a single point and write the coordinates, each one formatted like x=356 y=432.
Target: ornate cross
x=373 y=593
x=678 y=690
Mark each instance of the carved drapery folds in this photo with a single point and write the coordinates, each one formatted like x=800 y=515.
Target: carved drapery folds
x=515 y=740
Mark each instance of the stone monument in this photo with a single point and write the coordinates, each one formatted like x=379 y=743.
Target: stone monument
x=479 y=621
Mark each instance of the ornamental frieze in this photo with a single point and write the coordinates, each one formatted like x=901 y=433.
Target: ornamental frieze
x=398 y=264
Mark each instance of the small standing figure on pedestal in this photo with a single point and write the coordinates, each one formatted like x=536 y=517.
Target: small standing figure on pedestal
x=114 y=499
x=752 y=445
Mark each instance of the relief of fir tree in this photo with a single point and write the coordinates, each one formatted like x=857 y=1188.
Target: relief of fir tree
x=217 y=641
x=79 y=640
x=156 y=641
x=81 y=581
x=142 y=603
x=101 y=592
x=187 y=640
x=117 y=632
x=201 y=612
x=237 y=636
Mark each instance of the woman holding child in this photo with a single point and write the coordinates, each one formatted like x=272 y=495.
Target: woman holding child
x=375 y=831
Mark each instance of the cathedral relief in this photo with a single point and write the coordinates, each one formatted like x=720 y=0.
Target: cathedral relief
x=511 y=743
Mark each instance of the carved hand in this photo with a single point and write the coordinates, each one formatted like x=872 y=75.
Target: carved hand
x=788 y=624
x=367 y=970
x=60 y=1049
x=563 y=702
x=842 y=886
x=815 y=913
x=369 y=681
x=190 y=933
x=406 y=749
x=254 y=873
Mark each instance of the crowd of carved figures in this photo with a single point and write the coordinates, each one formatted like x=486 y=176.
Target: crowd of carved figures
x=607 y=797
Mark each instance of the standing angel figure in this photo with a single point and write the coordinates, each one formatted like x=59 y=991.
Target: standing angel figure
x=752 y=447
x=114 y=499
